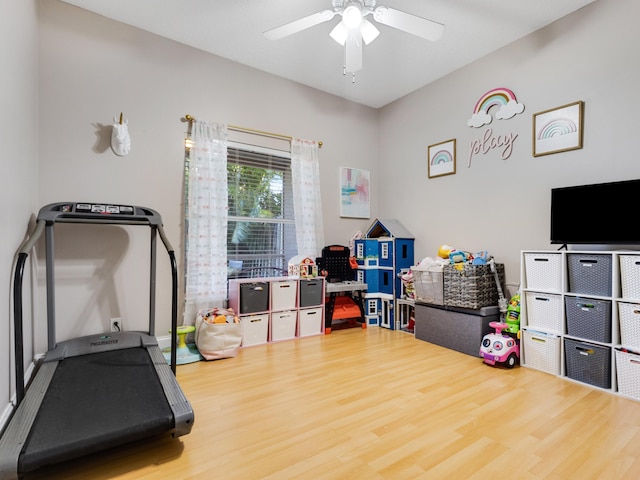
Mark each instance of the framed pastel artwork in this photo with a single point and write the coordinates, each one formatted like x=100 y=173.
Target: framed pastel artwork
x=558 y=130
x=442 y=159
x=354 y=193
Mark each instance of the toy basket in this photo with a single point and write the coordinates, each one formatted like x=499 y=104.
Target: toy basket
x=428 y=283
x=471 y=286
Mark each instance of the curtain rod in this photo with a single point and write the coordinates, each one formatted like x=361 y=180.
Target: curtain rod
x=191 y=119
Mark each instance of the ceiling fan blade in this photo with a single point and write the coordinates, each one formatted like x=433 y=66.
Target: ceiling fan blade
x=299 y=25
x=353 y=51
x=418 y=26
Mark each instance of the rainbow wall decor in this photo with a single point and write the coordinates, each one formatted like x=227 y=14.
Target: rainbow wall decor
x=501 y=100
x=442 y=156
x=561 y=126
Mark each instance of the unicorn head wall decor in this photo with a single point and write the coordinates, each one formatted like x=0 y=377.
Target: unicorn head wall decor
x=120 y=139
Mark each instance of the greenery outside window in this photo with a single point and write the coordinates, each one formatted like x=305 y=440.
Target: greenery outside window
x=261 y=228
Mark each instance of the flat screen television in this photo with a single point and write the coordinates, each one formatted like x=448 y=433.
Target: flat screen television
x=597 y=214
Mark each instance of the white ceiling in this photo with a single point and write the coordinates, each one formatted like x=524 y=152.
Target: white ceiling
x=395 y=64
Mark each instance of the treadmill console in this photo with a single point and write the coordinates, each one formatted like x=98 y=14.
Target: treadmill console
x=99 y=208
x=85 y=212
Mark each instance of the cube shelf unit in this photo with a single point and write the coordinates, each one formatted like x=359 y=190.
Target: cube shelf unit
x=580 y=317
x=278 y=308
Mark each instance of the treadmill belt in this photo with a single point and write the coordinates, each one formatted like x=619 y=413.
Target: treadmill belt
x=95 y=402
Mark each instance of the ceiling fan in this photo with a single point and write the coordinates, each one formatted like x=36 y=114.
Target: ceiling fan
x=354 y=28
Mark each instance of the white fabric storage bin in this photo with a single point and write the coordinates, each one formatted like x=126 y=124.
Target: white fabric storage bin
x=544 y=310
x=283 y=325
x=255 y=329
x=284 y=294
x=543 y=271
x=310 y=322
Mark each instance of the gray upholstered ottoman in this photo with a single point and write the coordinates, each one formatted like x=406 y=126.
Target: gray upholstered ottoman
x=459 y=329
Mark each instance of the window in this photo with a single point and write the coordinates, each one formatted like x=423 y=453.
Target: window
x=261 y=228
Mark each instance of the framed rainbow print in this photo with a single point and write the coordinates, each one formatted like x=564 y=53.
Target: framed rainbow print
x=558 y=130
x=442 y=158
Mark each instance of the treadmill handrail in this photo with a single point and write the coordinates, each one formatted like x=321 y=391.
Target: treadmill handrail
x=23 y=252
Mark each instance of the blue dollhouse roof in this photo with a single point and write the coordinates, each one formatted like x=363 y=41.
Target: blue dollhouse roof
x=388 y=228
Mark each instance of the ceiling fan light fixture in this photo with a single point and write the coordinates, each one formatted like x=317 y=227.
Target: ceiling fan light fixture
x=339 y=33
x=354 y=29
x=352 y=16
x=369 y=31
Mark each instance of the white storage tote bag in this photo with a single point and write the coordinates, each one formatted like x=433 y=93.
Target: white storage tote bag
x=218 y=333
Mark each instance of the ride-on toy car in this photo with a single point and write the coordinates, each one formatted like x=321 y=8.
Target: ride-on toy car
x=499 y=347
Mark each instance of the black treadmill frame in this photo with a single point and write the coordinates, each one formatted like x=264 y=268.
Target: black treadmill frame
x=67 y=212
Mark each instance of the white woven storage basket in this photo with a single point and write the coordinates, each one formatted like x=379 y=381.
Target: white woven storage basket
x=628 y=369
x=629 y=314
x=543 y=271
x=544 y=310
x=630 y=276
x=542 y=351
x=429 y=284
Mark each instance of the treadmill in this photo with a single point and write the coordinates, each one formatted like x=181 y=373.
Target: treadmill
x=99 y=391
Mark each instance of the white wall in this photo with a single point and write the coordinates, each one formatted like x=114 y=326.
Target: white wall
x=19 y=161
x=503 y=205
x=92 y=68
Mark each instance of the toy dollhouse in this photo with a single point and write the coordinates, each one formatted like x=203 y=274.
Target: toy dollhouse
x=382 y=254
x=303 y=267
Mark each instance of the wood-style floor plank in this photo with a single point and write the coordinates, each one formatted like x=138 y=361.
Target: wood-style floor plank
x=379 y=404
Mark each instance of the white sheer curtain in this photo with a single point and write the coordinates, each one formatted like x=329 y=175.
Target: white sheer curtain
x=307 y=204
x=206 y=220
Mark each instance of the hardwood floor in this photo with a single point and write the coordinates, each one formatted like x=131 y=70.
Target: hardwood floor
x=379 y=404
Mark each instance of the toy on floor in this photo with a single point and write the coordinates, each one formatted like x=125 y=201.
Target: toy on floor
x=503 y=347
x=499 y=347
x=185 y=353
x=513 y=314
